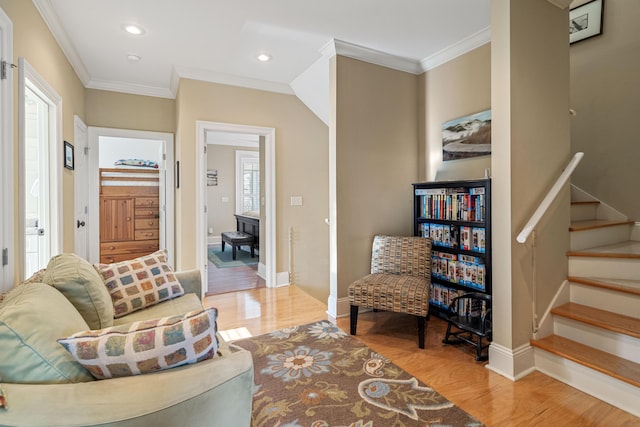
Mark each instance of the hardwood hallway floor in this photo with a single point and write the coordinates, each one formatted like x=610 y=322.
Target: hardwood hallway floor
x=536 y=400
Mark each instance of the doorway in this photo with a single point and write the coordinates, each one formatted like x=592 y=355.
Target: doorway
x=40 y=174
x=126 y=144
x=6 y=157
x=266 y=269
x=233 y=201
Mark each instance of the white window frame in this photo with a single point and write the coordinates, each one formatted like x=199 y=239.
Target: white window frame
x=7 y=226
x=241 y=155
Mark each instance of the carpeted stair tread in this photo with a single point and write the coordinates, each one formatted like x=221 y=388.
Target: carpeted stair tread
x=600 y=318
x=619 y=285
x=590 y=224
x=606 y=363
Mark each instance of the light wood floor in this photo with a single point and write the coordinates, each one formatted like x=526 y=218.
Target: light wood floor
x=536 y=400
x=229 y=279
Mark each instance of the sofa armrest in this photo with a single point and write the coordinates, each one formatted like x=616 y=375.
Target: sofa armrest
x=214 y=392
x=191 y=281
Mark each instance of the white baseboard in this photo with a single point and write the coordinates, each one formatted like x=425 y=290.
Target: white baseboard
x=262 y=271
x=214 y=240
x=338 y=307
x=513 y=364
x=282 y=279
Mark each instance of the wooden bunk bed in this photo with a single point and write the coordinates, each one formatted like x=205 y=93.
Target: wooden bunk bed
x=129 y=213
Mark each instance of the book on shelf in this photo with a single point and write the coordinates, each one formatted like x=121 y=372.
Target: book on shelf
x=463 y=269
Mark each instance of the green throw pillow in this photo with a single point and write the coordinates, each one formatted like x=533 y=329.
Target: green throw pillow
x=32 y=318
x=83 y=287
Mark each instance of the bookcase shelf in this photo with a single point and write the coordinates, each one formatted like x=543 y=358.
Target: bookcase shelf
x=456 y=215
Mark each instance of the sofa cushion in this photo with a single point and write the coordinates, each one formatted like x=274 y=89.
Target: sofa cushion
x=146 y=346
x=83 y=287
x=139 y=283
x=32 y=318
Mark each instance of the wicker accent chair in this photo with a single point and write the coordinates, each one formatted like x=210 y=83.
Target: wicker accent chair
x=400 y=280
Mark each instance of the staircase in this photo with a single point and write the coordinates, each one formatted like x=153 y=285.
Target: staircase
x=594 y=345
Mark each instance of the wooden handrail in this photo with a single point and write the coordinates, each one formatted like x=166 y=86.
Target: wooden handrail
x=551 y=195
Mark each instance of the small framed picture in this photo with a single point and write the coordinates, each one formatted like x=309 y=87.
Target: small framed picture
x=68 y=155
x=585 y=21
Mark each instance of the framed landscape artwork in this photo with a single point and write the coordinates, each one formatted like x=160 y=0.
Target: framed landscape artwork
x=585 y=21
x=468 y=136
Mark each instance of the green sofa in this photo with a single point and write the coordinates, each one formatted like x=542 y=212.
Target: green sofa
x=58 y=391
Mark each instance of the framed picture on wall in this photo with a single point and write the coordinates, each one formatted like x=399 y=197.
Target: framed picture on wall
x=585 y=21
x=68 y=155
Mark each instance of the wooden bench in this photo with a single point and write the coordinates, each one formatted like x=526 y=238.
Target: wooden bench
x=237 y=239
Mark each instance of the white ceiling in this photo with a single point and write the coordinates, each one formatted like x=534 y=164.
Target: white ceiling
x=218 y=40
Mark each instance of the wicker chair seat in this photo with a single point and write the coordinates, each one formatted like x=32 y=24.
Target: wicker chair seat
x=392 y=292
x=399 y=280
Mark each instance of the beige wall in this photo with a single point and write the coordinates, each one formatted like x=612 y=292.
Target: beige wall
x=455 y=89
x=605 y=94
x=376 y=150
x=301 y=170
x=220 y=214
x=33 y=41
x=125 y=111
x=531 y=142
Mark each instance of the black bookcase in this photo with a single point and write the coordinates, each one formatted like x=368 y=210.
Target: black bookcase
x=456 y=215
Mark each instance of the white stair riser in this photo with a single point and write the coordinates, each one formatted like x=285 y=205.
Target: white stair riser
x=613 y=391
x=614 y=268
x=620 y=345
x=583 y=212
x=606 y=299
x=599 y=237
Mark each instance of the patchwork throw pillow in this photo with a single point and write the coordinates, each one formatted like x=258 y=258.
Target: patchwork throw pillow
x=146 y=346
x=139 y=283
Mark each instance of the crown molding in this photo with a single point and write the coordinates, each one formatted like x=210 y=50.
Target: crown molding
x=474 y=41
x=51 y=19
x=373 y=56
x=130 y=88
x=231 y=80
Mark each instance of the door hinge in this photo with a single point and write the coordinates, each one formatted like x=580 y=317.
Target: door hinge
x=205 y=149
x=86 y=151
x=164 y=156
x=5 y=256
x=3 y=69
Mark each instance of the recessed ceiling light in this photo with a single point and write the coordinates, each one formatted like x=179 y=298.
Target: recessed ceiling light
x=133 y=57
x=136 y=30
x=264 y=57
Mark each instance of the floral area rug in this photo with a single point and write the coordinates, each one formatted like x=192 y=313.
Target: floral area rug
x=316 y=375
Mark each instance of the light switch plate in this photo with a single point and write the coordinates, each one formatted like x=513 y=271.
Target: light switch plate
x=296 y=200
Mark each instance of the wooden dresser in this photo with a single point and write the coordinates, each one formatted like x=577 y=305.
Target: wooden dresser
x=129 y=214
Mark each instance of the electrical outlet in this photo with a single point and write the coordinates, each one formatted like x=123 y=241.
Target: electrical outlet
x=224 y=199
x=296 y=200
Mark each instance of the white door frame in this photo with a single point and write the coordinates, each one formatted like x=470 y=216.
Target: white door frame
x=269 y=134
x=26 y=71
x=7 y=226
x=80 y=179
x=167 y=233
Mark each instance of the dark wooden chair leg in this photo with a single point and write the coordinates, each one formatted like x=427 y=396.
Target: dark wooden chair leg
x=354 y=319
x=421 y=329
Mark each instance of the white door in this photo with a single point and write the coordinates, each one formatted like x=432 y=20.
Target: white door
x=7 y=246
x=36 y=178
x=40 y=166
x=81 y=192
